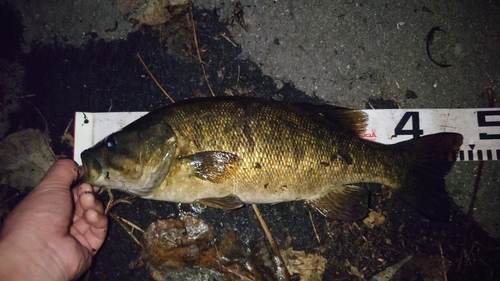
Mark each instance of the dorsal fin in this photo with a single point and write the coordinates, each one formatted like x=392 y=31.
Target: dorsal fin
x=352 y=120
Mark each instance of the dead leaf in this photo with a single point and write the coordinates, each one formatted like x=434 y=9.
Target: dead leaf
x=25 y=156
x=310 y=267
x=355 y=271
x=374 y=218
x=180 y=246
x=159 y=11
x=126 y=7
x=68 y=139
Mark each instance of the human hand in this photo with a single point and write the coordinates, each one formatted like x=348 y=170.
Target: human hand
x=54 y=232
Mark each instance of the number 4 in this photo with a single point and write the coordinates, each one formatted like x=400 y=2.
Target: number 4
x=415 y=125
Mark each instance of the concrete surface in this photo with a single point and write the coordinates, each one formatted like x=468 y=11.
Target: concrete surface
x=347 y=51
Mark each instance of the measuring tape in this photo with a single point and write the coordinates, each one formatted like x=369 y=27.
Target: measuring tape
x=479 y=126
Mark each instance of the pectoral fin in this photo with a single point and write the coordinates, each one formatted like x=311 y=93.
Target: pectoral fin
x=227 y=203
x=214 y=166
x=349 y=203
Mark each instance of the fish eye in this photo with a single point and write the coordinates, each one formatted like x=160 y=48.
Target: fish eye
x=110 y=142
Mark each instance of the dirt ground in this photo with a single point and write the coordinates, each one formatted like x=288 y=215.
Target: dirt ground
x=58 y=57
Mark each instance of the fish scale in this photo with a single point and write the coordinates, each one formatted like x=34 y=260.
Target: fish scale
x=283 y=153
x=229 y=151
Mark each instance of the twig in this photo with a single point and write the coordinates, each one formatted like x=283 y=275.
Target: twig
x=445 y=276
x=477 y=179
x=130 y=231
x=26 y=96
x=112 y=202
x=43 y=118
x=67 y=137
x=270 y=238
x=229 y=40
x=4 y=202
x=195 y=38
x=490 y=97
x=470 y=213
x=266 y=230
x=123 y=222
x=67 y=127
x=154 y=79
x=131 y=224
x=111 y=103
x=314 y=227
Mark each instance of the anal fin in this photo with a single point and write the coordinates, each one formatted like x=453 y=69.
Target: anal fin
x=229 y=202
x=348 y=203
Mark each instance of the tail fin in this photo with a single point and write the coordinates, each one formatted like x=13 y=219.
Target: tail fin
x=429 y=159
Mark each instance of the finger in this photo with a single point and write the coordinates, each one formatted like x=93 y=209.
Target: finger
x=87 y=199
x=84 y=188
x=97 y=222
x=88 y=202
x=89 y=223
x=84 y=198
x=60 y=175
x=98 y=228
x=90 y=230
x=51 y=197
x=78 y=192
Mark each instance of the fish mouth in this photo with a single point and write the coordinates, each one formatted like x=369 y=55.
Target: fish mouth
x=93 y=168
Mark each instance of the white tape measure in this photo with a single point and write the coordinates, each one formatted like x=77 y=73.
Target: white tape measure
x=479 y=126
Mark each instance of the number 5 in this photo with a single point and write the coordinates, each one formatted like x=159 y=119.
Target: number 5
x=481 y=122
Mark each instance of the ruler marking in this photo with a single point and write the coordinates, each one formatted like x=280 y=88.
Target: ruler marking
x=486 y=136
x=498 y=154
x=471 y=155
x=480 y=155
x=489 y=155
x=462 y=155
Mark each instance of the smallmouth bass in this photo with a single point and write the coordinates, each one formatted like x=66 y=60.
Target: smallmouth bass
x=228 y=151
